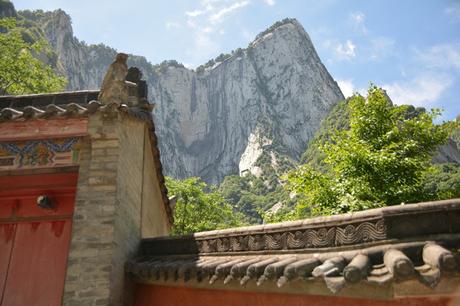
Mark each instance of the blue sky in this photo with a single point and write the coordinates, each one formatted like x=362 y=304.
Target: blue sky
x=410 y=47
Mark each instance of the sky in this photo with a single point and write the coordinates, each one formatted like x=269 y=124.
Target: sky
x=411 y=48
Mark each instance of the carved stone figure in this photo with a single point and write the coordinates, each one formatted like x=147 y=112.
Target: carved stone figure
x=114 y=89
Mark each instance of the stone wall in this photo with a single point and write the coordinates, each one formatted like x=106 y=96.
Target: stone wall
x=112 y=196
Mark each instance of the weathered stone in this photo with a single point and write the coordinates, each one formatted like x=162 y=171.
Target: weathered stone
x=105 y=143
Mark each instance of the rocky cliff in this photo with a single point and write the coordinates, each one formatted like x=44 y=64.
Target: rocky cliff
x=274 y=93
x=83 y=65
x=7 y=9
x=271 y=95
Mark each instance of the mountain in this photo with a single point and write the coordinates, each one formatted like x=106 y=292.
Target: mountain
x=7 y=9
x=269 y=97
x=262 y=102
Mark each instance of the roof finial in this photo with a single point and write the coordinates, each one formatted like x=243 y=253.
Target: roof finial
x=114 y=89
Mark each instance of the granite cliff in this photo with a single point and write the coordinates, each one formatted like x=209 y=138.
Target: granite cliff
x=267 y=99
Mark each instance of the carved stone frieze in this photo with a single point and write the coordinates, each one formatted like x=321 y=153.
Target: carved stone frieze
x=363 y=232
x=331 y=236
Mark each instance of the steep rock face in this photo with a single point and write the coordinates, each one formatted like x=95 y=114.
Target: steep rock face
x=448 y=153
x=204 y=119
x=7 y=9
x=83 y=65
x=277 y=84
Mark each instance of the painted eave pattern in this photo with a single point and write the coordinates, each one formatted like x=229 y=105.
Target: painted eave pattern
x=81 y=104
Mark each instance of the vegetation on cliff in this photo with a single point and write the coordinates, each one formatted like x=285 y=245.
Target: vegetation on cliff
x=22 y=69
x=255 y=199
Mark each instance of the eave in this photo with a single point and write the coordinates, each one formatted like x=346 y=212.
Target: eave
x=404 y=250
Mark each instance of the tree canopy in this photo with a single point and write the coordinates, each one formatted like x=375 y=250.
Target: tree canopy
x=199 y=207
x=20 y=69
x=382 y=159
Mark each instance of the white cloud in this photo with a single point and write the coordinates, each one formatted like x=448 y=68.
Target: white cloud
x=340 y=51
x=206 y=21
x=220 y=15
x=327 y=44
x=347 y=87
x=444 y=56
x=357 y=20
x=436 y=69
x=453 y=12
x=345 y=51
x=207 y=30
x=382 y=47
x=247 y=34
x=270 y=2
x=172 y=25
x=358 y=17
x=195 y=13
x=205 y=45
x=206 y=7
x=423 y=90
x=191 y=24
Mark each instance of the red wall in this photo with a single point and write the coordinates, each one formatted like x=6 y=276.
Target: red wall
x=153 y=295
x=34 y=242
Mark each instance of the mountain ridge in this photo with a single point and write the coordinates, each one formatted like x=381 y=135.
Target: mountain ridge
x=276 y=87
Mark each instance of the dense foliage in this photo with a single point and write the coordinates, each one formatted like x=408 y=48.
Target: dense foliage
x=338 y=119
x=254 y=197
x=199 y=207
x=443 y=181
x=21 y=71
x=384 y=158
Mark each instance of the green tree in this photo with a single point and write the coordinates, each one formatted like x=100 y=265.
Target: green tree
x=197 y=210
x=382 y=159
x=20 y=69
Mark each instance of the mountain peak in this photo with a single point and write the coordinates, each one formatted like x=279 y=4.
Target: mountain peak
x=291 y=26
x=279 y=24
x=288 y=29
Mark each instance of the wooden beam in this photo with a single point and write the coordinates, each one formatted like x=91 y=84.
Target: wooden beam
x=43 y=129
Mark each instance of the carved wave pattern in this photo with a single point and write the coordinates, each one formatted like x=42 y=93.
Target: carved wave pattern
x=307 y=238
x=363 y=232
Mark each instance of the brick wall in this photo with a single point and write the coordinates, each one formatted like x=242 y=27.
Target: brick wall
x=118 y=200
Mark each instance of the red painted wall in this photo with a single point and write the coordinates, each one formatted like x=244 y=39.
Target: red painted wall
x=43 y=129
x=34 y=242
x=153 y=295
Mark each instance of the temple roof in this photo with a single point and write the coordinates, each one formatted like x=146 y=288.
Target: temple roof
x=76 y=104
x=404 y=245
x=19 y=102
